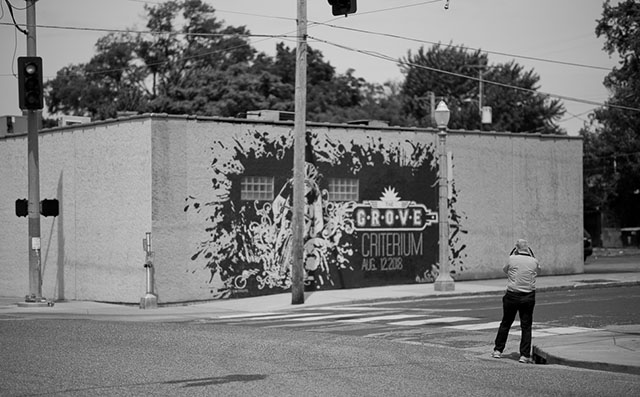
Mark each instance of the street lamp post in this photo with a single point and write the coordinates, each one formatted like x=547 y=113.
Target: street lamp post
x=444 y=281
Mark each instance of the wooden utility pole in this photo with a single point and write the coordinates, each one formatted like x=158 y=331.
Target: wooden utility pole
x=299 y=129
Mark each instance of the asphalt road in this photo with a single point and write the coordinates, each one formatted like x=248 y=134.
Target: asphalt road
x=85 y=357
x=264 y=357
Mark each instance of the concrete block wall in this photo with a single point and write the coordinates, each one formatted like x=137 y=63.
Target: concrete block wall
x=507 y=186
x=514 y=186
x=101 y=175
x=117 y=180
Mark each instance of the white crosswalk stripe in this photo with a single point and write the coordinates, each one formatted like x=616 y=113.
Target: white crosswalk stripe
x=274 y=317
x=389 y=317
x=437 y=320
x=381 y=318
x=482 y=326
x=246 y=315
x=555 y=331
x=330 y=317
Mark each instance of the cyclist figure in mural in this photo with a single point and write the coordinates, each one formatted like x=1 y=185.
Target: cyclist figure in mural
x=313 y=222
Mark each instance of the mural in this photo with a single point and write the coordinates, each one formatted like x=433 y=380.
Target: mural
x=388 y=236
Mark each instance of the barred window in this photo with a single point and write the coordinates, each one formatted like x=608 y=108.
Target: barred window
x=256 y=188
x=343 y=189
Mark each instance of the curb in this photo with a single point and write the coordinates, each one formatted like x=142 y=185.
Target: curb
x=542 y=357
x=577 y=285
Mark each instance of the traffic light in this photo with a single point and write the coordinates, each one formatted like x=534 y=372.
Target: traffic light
x=22 y=207
x=49 y=207
x=30 y=83
x=343 y=7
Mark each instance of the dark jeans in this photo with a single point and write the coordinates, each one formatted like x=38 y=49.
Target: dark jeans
x=523 y=304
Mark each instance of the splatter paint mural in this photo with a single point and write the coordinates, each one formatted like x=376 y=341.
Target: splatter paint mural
x=385 y=232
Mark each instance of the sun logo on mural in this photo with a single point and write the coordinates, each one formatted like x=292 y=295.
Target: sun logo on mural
x=390 y=197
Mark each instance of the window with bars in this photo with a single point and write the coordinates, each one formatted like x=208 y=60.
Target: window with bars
x=343 y=189
x=256 y=188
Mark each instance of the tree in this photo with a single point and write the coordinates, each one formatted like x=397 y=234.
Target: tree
x=190 y=60
x=109 y=83
x=513 y=110
x=612 y=143
x=193 y=64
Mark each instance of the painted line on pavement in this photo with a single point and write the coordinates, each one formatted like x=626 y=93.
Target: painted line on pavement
x=381 y=318
x=438 y=320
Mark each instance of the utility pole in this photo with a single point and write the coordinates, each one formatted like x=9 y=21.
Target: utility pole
x=299 y=129
x=480 y=68
x=35 y=275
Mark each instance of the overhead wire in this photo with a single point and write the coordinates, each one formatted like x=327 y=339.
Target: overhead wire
x=379 y=55
x=390 y=35
x=10 y=7
x=368 y=53
x=155 y=32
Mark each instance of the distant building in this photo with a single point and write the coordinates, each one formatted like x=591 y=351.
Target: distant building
x=13 y=125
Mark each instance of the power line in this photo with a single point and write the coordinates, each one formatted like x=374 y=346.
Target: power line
x=399 y=62
x=152 y=32
x=369 y=53
x=465 y=48
x=399 y=7
x=322 y=24
x=10 y=7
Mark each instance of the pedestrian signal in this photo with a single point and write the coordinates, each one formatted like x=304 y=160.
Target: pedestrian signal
x=49 y=207
x=22 y=207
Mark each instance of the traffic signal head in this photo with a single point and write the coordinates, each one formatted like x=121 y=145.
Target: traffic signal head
x=30 y=83
x=49 y=207
x=343 y=7
x=22 y=207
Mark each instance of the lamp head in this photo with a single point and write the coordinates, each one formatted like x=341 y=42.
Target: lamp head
x=442 y=115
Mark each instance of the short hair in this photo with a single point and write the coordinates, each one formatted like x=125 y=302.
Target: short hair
x=522 y=245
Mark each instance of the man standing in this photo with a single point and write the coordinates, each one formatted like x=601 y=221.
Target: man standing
x=520 y=297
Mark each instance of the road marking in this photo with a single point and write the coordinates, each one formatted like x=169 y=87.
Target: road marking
x=482 y=326
x=331 y=316
x=247 y=315
x=556 y=331
x=439 y=320
x=381 y=318
x=278 y=317
x=356 y=308
x=569 y=330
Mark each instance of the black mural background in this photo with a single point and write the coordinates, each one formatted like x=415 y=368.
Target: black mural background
x=246 y=249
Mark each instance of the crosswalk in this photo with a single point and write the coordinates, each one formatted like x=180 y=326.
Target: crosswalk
x=390 y=320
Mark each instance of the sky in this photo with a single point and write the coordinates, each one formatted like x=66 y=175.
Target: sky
x=554 y=32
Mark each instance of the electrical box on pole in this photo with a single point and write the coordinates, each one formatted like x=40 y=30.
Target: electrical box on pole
x=343 y=7
x=30 y=83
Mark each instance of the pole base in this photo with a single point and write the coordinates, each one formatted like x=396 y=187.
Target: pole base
x=34 y=304
x=444 y=283
x=34 y=301
x=150 y=301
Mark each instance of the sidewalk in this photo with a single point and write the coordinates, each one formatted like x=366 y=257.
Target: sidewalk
x=616 y=348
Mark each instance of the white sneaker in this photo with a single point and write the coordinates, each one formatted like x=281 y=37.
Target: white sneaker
x=525 y=360
x=496 y=354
